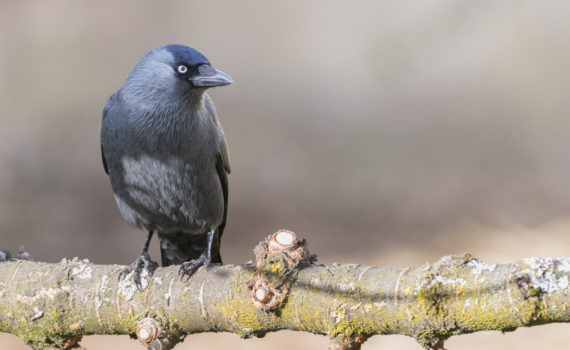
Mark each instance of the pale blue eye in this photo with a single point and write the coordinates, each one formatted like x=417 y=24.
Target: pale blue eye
x=182 y=69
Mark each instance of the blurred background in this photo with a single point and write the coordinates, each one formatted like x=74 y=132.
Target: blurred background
x=386 y=133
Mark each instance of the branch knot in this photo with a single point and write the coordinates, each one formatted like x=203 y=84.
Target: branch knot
x=278 y=257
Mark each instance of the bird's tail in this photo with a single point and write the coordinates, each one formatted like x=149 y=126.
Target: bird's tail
x=178 y=247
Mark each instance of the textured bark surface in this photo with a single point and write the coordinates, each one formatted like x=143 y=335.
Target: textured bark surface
x=53 y=305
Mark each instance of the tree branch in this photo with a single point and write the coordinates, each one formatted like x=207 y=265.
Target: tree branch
x=53 y=305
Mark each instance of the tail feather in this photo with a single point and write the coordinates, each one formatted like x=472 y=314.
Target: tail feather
x=176 y=248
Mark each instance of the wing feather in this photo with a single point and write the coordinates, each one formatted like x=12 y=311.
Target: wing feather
x=106 y=109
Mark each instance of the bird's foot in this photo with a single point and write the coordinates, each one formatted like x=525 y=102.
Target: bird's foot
x=143 y=263
x=189 y=267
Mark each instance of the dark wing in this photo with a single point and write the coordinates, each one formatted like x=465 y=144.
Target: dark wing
x=104 y=161
x=222 y=158
x=223 y=168
x=108 y=106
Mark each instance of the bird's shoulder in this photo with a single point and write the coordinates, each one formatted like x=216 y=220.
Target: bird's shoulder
x=111 y=104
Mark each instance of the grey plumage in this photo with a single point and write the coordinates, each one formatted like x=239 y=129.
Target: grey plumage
x=166 y=154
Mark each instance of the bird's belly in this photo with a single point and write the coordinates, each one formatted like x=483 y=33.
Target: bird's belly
x=169 y=195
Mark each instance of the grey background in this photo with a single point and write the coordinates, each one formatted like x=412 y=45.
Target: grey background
x=386 y=133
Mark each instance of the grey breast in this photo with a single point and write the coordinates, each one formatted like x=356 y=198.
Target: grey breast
x=164 y=174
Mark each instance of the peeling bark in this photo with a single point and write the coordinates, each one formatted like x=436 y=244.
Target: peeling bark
x=53 y=305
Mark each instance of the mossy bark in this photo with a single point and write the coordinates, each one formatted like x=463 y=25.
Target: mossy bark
x=52 y=305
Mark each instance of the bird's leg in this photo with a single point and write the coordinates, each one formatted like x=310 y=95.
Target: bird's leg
x=143 y=263
x=189 y=267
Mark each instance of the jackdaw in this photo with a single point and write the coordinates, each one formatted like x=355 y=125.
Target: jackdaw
x=166 y=156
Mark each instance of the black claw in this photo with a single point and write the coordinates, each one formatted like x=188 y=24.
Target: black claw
x=189 y=267
x=143 y=263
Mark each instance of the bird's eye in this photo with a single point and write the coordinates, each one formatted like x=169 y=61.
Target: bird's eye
x=182 y=69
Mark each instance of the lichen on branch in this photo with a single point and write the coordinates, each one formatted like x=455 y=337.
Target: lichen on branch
x=53 y=305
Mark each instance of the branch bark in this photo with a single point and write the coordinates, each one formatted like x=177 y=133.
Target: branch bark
x=53 y=305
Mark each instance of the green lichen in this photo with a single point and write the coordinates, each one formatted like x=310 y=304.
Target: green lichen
x=534 y=292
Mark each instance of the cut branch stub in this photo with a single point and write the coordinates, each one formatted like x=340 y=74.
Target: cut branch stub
x=154 y=337
x=267 y=298
x=277 y=256
x=343 y=342
x=73 y=343
x=147 y=330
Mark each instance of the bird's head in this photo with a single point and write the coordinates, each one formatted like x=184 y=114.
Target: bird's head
x=173 y=71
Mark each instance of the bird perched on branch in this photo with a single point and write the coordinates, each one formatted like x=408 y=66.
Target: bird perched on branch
x=166 y=155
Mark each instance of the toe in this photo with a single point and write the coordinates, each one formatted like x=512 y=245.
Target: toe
x=124 y=272
x=188 y=268
x=143 y=263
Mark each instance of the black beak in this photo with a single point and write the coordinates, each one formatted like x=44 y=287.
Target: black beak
x=208 y=76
